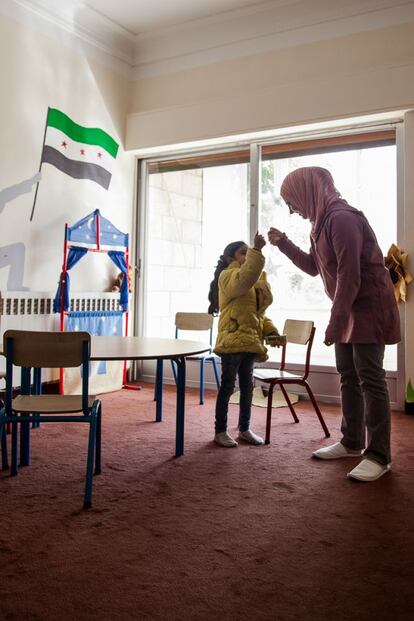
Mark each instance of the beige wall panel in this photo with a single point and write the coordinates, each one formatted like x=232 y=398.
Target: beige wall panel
x=353 y=75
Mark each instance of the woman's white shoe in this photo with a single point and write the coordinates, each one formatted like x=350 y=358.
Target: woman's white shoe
x=368 y=470
x=335 y=451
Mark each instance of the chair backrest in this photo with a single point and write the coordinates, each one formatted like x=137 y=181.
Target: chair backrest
x=28 y=349
x=46 y=349
x=298 y=331
x=194 y=322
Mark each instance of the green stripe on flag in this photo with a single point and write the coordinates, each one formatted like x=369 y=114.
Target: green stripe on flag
x=87 y=135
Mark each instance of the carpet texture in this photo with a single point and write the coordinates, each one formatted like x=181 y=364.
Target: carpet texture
x=250 y=533
x=260 y=398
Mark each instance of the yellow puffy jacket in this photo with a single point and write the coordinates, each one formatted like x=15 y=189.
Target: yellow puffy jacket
x=244 y=295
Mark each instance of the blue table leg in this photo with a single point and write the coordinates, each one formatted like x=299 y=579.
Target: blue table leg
x=37 y=388
x=174 y=370
x=159 y=380
x=25 y=427
x=202 y=367
x=3 y=447
x=179 y=432
x=37 y=381
x=13 y=471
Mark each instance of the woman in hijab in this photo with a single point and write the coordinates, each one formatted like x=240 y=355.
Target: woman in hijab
x=364 y=315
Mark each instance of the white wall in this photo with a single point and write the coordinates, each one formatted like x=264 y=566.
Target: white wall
x=37 y=72
x=347 y=76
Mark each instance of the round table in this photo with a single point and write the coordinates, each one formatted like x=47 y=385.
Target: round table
x=149 y=348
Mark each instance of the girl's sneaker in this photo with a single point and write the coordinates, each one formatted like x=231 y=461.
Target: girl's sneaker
x=250 y=437
x=224 y=439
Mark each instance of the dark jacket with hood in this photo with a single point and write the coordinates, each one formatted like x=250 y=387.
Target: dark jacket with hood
x=346 y=254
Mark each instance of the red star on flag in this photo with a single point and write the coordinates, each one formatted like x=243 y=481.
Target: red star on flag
x=99 y=154
x=82 y=151
x=64 y=144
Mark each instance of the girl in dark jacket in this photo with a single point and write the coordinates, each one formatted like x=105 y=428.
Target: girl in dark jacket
x=364 y=315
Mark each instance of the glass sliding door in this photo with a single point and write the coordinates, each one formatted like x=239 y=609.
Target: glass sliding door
x=196 y=205
x=366 y=178
x=195 y=208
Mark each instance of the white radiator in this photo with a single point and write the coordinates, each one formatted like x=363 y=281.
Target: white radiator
x=33 y=310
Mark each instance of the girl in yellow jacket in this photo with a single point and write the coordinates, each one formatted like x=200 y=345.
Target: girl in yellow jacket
x=241 y=293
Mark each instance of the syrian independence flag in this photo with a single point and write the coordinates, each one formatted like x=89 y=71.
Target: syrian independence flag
x=81 y=152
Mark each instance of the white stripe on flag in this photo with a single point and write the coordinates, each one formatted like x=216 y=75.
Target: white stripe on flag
x=87 y=153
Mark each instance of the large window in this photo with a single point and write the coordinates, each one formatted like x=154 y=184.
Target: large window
x=197 y=205
x=366 y=178
x=193 y=214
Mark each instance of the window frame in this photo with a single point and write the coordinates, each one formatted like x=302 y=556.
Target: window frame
x=254 y=152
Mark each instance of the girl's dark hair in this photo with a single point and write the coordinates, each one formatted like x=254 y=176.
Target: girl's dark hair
x=223 y=262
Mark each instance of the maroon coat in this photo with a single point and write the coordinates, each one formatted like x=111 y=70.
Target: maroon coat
x=346 y=254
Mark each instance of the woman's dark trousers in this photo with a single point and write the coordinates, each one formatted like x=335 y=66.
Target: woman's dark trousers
x=365 y=400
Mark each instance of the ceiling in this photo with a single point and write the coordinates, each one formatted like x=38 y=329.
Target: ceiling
x=149 y=38
x=140 y=16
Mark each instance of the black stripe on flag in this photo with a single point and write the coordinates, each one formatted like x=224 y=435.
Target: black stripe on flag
x=76 y=169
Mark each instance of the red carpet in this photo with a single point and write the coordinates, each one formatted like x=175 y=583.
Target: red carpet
x=252 y=533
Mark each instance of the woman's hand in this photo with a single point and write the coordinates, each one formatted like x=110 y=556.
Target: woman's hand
x=259 y=241
x=274 y=236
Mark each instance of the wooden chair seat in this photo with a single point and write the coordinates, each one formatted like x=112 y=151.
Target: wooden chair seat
x=50 y=404
x=206 y=354
x=274 y=375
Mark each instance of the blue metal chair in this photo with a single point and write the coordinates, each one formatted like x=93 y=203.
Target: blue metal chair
x=192 y=322
x=49 y=350
x=199 y=322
